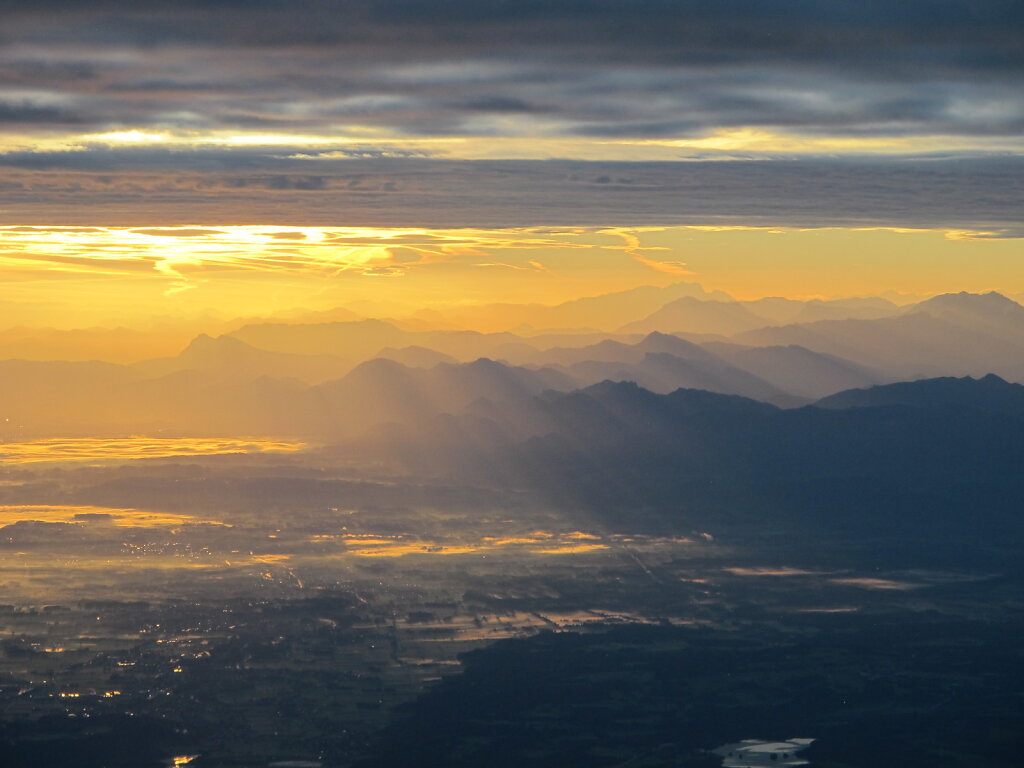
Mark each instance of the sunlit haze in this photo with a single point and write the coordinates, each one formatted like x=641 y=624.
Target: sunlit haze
x=138 y=276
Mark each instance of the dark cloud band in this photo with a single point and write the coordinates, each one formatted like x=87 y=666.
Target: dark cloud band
x=484 y=67
x=230 y=187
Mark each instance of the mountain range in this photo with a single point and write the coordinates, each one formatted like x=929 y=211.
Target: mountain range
x=337 y=379
x=929 y=457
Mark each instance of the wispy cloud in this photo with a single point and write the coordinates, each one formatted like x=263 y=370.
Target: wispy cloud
x=636 y=251
x=184 y=257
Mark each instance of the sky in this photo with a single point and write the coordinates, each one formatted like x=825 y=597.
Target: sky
x=224 y=156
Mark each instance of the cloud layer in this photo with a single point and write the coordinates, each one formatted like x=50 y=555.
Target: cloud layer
x=370 y=112
x=143 y=187
x=489 y=67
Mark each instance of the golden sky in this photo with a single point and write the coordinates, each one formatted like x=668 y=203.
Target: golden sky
x=132 y=276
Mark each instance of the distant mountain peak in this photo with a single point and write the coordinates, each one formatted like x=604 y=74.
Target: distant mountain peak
x=378 y=364
x=964 y=300
x=415 y=356
x=987 y=296
x=205 y=339
x=204 y=345
x=691 y=314
x=480 y=365
x=988 y=393
x=991 y=378
x=656 y=341
x=657 y=337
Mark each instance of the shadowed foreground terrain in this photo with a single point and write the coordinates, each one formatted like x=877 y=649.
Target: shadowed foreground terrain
x=903 y=690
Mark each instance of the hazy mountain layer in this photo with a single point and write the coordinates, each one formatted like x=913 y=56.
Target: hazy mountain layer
x=606 y=312
x=688 y=457
x=954 y=334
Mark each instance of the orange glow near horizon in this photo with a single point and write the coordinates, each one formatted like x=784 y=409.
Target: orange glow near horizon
x=116 y=516
x=135 y=275
x=87 y=449
x=536 y=543
x=713 y=143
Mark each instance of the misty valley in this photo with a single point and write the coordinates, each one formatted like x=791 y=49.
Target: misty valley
x=682 y=534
